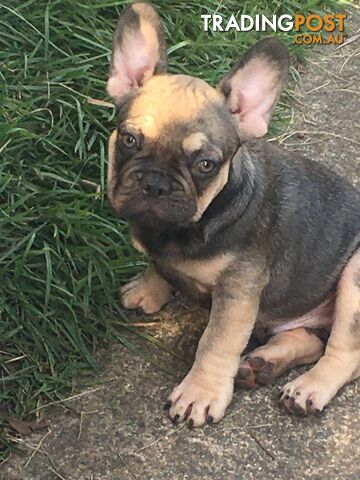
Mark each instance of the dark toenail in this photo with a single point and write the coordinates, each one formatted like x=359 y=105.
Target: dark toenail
x=191 y=424
x=309 y=406
x=286 y=397
x=210 y=419
x=139 y=312
x=188 y=412
x=167 y=405
x=298 y=393
x=243 y=373
x=175 y=419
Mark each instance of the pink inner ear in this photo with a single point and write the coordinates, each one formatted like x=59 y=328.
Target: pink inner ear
x=252 y=125
x=253 y=94
x=133 y=65
x=237 y=105
x=119 y=84
x=251 y=116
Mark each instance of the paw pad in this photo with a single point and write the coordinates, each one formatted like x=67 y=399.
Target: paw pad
x=254 y=371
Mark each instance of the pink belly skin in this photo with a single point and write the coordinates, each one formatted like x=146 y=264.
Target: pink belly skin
x=322 y=316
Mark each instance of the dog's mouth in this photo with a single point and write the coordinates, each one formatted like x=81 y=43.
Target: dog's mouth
x=152 y=195
x=140 y=207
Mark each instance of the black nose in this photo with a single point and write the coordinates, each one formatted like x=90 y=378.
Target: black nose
x=156 y=184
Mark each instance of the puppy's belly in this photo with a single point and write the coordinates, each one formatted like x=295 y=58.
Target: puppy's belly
x=320 y=317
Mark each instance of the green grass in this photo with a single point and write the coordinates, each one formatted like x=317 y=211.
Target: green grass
x=62 y=253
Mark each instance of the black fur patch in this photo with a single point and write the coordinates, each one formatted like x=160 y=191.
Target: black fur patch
x=355 y=324
x=322 y=333
x=357 y=279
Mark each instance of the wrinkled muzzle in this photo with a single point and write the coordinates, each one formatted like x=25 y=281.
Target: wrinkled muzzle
x=147 y=193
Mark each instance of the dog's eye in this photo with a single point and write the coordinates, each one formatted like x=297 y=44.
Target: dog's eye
x=128 y=140
x=205 y=166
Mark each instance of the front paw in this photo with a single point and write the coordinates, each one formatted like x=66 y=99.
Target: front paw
x=309 y=393
x=147 y=291
x=200 y=398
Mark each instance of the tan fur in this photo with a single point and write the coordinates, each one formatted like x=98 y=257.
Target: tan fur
x=206 y=272
x=212 y=191
x=208 y=387
x=193 y=142
x=111 y=160
x=166 y=99
x=341 y=361
x=210 y=382
x=289 y=349
x=147 y=291
x=138 y=246
x=347 y=306
x=117 y=200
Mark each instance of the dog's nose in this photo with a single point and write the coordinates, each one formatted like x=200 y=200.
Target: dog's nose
x=156 y=184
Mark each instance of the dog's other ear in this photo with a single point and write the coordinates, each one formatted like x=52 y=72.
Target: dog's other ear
x=254 y=84
x=139 y=50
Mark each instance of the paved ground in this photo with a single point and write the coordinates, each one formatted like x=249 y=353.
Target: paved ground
x=118 y=431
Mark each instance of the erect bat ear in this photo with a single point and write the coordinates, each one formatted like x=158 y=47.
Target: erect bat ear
x=139 y=50
x=254 y=84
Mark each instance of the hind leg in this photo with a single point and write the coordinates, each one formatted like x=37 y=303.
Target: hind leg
x=340 y=364
x=281 y=353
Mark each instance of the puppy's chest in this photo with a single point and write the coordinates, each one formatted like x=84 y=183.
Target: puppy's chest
x=202 y=273
x=193 y=276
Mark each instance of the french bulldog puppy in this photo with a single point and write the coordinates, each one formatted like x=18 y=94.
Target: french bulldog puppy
x=267 y=239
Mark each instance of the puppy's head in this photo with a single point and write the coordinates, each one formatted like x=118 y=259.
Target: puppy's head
x=177 y=136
